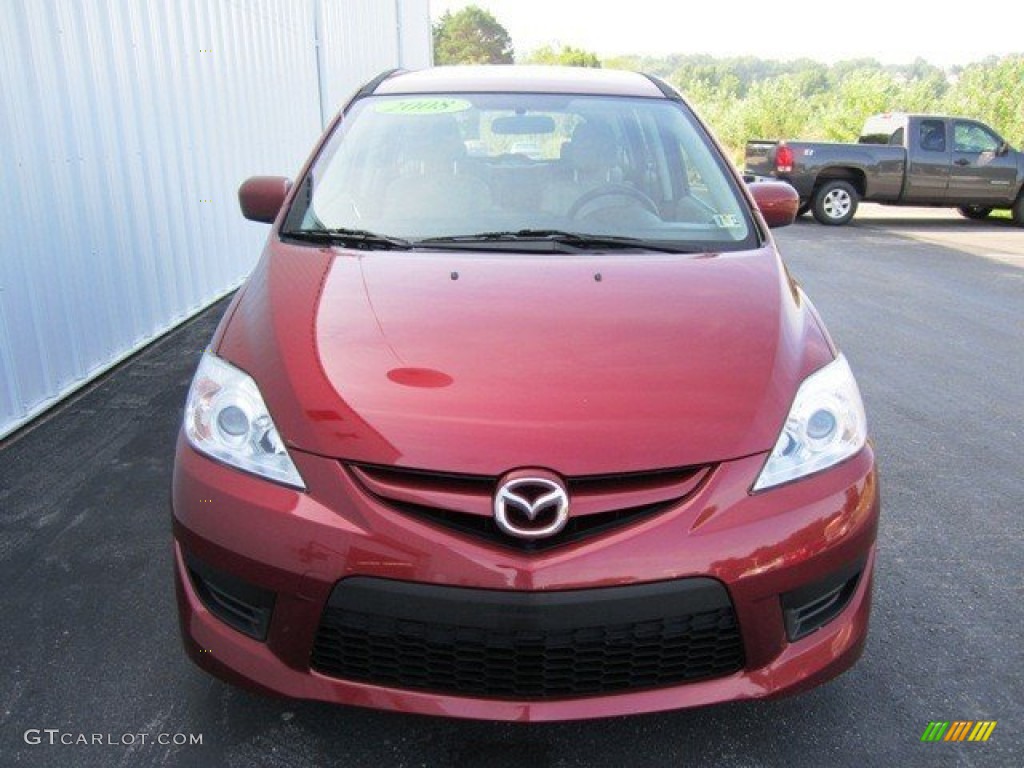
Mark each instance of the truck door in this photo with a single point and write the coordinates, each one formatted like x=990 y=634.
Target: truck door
x=928 y=158
x=979 y=174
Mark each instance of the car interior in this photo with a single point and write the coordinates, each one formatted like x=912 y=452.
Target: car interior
x=599 y=165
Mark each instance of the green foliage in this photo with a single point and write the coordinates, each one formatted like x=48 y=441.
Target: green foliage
x=471 y=36
x=861 y=92
x=567 y=56
x=745 y=98
x=774 y=108
x=993 y=91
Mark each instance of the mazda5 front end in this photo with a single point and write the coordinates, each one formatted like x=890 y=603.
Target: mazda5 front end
x=522 y=436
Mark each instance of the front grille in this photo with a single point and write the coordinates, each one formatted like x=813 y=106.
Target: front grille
x=463 y=503
x=528 y=646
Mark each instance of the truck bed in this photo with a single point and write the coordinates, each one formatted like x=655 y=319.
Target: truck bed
x=878 y=167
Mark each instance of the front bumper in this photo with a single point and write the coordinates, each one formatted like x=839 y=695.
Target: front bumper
x=301 y=548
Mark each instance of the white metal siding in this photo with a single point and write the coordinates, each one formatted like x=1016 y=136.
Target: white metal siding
x=125 y=130
x=359 y=31
x=417 y=43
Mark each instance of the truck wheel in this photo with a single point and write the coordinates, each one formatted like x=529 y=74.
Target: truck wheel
x=1018 y=211
x=835 y=202
x=976 y=212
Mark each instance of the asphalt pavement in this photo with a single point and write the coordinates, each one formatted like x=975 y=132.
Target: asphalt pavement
x=929 y=309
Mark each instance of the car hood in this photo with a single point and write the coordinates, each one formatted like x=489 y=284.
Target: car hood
x=485 y=362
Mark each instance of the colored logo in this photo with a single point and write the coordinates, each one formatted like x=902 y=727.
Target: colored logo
x=959 y=730
x=433 y=105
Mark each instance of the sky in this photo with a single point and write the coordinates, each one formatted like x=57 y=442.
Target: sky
x=892 y=31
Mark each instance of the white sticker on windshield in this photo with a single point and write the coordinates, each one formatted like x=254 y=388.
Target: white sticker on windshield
x=727 y=220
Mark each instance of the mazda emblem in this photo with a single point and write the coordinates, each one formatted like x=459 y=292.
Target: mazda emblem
x=530 y=507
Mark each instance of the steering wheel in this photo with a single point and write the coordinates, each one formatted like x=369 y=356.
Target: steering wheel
x=611 y=190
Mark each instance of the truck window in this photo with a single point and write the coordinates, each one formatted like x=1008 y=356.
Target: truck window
x=896 y=140
x=971 y=137
x=933 y=136
x=875 y=138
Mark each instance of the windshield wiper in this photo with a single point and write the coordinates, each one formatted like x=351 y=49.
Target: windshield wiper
x=559 y=236
x=353 y=238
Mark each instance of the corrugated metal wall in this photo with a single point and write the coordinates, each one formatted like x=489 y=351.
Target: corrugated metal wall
x=364 y=25
x=125 y=129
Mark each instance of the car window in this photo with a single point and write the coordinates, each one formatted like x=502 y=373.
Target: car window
x=450 y=165
x=932 y=136
x=971 y=137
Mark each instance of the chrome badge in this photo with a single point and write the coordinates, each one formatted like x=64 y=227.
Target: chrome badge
x=530 y=507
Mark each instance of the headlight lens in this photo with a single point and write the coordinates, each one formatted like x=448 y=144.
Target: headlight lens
x=826 y=424
x=226 y=418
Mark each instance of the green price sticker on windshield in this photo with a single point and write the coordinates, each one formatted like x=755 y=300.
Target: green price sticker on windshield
x=427 y=106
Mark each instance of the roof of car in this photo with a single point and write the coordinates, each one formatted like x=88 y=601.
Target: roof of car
x=524 y=79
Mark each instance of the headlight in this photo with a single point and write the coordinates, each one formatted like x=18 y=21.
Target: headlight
x=826 y=424
x=226 y=418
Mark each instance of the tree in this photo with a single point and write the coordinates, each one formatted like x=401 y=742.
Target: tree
x=471 y=36
x=774 y=109
x=992 y=90
x=567 y=57
x=744 y=98
x=860 y=93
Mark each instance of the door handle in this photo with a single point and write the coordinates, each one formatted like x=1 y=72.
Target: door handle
x=962 y=161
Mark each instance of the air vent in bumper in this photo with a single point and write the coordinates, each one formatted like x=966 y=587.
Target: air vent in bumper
x=237 y=603
x=809 y=608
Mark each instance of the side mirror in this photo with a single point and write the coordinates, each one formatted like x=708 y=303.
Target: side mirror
x=1003 y=149
x=777 y=201
x=261 y=197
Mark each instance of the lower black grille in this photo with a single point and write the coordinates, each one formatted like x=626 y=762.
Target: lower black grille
x=525 y=645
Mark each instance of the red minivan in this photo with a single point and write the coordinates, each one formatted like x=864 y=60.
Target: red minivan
x=521 y=417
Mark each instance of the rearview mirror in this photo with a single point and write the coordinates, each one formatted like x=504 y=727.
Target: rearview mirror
x=777 y=201
x=261 y=197
x=1003 y=149
x=519 y=125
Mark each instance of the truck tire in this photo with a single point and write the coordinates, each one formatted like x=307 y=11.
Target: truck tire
x=835 y=202
x=1018 y=211
x=976 y=212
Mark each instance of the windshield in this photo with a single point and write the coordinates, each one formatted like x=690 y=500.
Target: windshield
x=519 y=166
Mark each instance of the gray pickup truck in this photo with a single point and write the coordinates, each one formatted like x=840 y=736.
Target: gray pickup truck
x=900 y=159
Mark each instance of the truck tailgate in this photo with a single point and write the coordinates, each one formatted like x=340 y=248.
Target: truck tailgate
x=760 y=157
